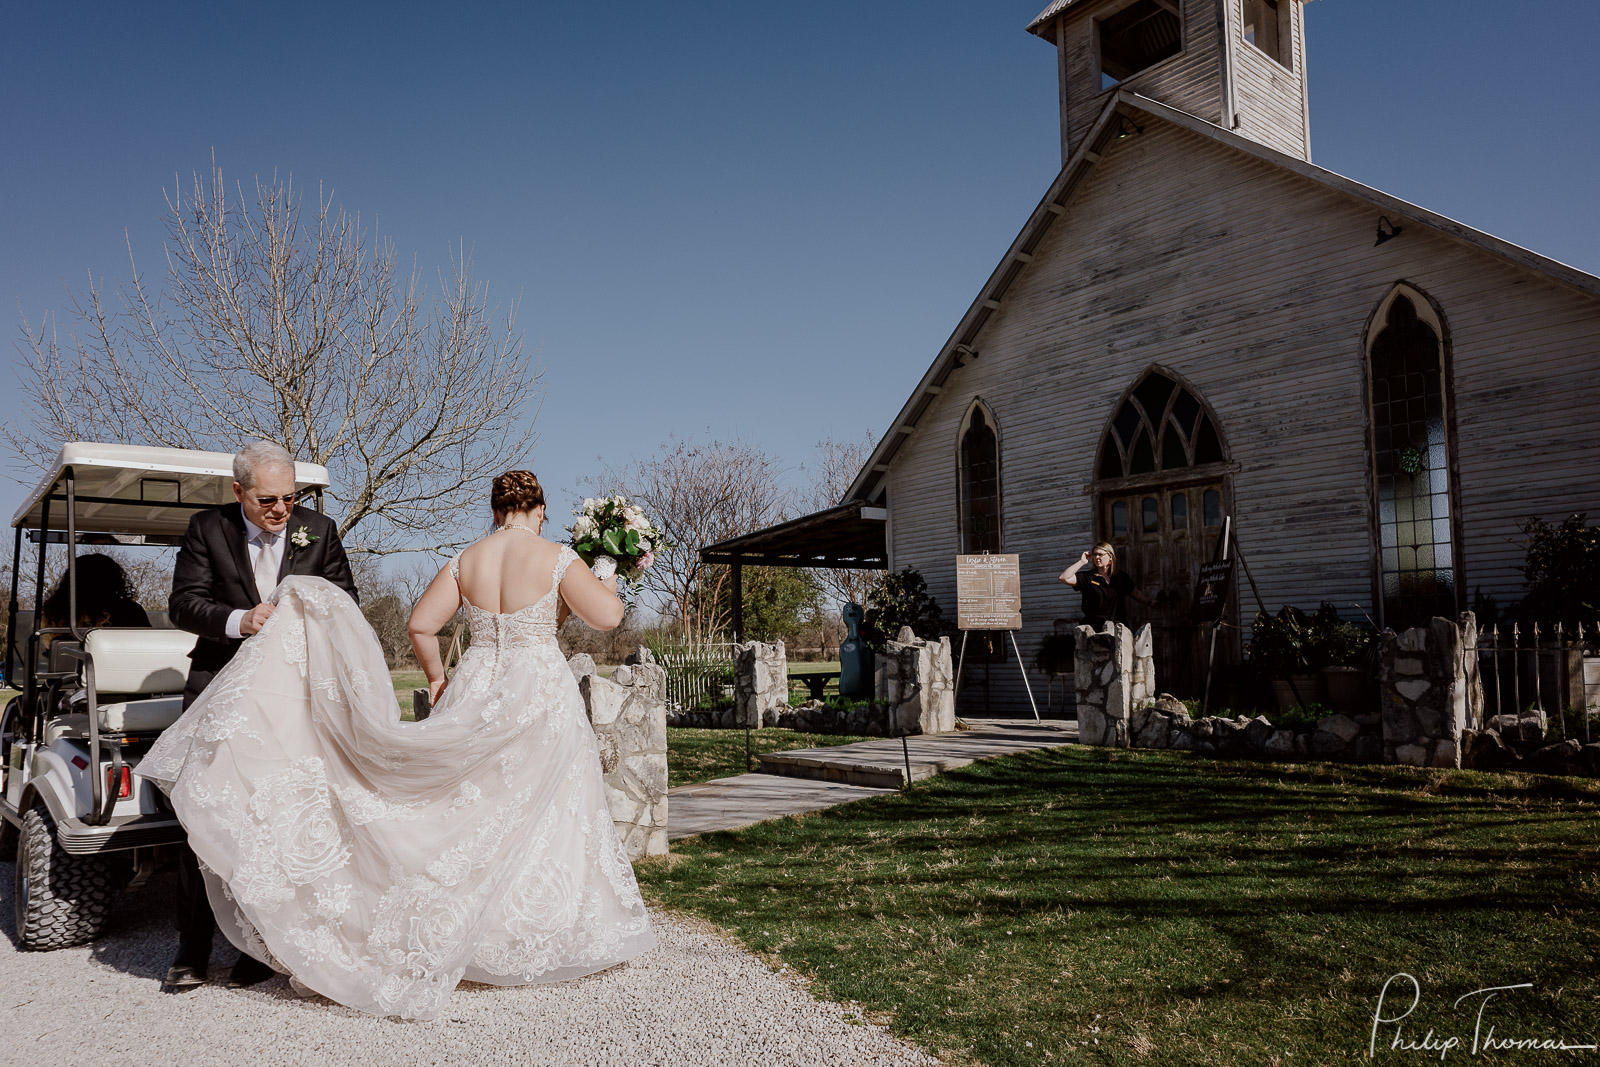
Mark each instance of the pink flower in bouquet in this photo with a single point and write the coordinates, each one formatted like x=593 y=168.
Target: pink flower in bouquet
x=647 y=561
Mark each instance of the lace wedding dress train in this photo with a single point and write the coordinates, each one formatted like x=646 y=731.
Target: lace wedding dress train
x=381 y=862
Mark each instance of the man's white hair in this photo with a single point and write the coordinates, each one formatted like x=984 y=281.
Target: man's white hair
x=257 y=456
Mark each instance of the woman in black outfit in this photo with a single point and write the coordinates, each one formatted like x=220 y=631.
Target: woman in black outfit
x=1105 y=589
x=105 y=597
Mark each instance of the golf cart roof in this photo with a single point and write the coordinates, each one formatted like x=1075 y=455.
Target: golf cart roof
x=139 y=489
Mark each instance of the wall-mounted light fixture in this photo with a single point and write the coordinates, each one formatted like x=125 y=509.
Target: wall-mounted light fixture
x=1386 y=230
x=1126 y=127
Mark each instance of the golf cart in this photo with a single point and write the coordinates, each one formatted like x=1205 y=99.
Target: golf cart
x=75 y=813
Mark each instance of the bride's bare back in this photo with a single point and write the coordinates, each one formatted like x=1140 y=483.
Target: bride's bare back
x=508 y=571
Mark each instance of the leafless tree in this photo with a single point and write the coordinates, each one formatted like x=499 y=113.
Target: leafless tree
x=301 y=328
x=388 y=593
x=836 y=465
x=699 y=494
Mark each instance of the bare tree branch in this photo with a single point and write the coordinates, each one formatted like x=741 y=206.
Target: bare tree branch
x=286 y=321
x=836 y=465
x=699 y=494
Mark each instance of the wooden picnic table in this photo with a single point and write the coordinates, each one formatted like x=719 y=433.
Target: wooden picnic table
x=815 y=681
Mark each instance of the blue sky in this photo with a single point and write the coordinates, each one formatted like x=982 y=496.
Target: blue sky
x=751 y=220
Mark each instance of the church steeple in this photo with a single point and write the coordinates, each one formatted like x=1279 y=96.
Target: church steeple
x=1238 y=63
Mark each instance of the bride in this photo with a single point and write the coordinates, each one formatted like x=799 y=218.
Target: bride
x=381 y=862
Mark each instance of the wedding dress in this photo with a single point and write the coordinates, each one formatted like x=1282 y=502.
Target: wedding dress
x=381 y=862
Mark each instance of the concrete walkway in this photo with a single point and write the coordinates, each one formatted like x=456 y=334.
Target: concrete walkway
x=812 y=779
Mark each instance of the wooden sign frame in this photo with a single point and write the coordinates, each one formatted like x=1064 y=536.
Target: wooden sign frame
x=989 y=597
x=989 y=591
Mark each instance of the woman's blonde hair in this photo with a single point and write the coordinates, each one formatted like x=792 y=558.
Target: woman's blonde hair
x=1105 y=546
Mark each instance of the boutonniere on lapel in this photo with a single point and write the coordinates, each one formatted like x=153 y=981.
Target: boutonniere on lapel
x=301 y=538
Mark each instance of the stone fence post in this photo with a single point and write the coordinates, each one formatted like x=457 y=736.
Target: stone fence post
x=914 y=677
x=629 y=719
x=1431 y=691
x=1115 y=673
x=760 y=683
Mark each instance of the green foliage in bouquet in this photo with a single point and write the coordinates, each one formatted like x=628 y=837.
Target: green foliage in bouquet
x=610 y=526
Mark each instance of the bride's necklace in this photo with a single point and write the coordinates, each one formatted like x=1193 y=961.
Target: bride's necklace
x=518 y=526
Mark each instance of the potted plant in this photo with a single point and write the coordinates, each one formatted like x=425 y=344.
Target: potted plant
x=1342 y=650
x=1280 y=647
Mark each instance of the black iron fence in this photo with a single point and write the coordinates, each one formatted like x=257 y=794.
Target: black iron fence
x=1549 y=674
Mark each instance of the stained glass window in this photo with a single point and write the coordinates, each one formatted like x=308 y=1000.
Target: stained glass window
x=980 y=486
x=1160 y=427
x=1412 y=469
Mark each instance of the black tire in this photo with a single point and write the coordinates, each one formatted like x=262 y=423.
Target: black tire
x=62 y=899
x=10 y=723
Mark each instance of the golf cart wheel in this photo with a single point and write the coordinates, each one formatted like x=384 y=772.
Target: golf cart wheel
x=62 y=899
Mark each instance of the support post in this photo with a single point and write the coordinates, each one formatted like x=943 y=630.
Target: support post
x=1023 y=667
x=737 y=576
x=961 y=660
x=1211 y=656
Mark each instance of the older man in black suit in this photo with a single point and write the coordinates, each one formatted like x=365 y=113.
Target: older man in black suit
x=230 y=562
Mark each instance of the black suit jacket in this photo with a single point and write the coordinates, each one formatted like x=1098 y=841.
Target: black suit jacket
x=212 y=578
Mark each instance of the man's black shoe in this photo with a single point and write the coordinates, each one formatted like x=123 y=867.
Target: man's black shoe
x=248 y=971
x=182 y=977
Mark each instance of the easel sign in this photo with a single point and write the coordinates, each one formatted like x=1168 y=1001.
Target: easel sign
x=989 y=592
x=989 y=597
x=1212 y=589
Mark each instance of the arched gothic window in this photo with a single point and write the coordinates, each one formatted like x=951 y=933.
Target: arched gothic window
x=980 y=482
x=1161 y=426
x=1411 y=461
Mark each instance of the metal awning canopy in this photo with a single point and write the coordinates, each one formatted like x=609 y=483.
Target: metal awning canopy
x=850 y=536
x=846 y=536
x=138 y=489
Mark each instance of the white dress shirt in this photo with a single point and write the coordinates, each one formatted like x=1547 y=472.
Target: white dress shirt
x=254 y=547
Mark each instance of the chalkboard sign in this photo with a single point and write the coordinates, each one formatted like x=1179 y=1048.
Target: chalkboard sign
x=988 y=592
x=1211 y=591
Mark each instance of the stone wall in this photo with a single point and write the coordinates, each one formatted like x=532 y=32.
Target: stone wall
x=1115 y=673
x=1430 y=691
x=916 y=680
x=760 y=682
x=1167 y=724
x=630 y=729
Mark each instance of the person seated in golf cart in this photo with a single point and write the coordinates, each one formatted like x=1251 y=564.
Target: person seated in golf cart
x=105 y=598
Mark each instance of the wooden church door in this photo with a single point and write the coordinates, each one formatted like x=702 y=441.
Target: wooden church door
x=1162 y=535
x=1161 y=488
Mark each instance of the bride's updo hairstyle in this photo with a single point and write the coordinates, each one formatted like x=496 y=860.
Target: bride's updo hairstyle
x=516 y=491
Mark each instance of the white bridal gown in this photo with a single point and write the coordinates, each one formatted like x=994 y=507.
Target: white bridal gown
x=381 y=862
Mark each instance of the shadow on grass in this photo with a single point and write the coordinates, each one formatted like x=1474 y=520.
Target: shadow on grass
x=1203 y=906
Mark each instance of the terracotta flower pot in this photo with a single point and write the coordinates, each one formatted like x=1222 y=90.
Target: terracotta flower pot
x=1307 y=686
x=1347 y=688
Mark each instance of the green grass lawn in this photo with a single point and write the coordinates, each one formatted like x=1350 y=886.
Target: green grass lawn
x=701 y=755
x=404 y=682
x=1110 y=907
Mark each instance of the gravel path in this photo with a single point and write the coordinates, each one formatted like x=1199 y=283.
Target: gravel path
x=695 y=1000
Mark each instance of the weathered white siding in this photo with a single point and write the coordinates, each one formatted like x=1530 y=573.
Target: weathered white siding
x=1255 y=284
x=1190 y=80
x=1270 y=98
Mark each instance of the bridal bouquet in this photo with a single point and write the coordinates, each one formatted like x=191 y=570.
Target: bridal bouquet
x=611 y=529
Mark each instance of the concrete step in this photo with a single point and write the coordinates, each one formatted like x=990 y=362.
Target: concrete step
x=731 y=803
x=884 y=764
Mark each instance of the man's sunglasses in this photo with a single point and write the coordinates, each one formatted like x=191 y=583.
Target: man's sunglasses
x=273 y=501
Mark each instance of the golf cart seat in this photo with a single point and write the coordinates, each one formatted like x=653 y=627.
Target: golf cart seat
x=130 y=664
x=139 y=661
